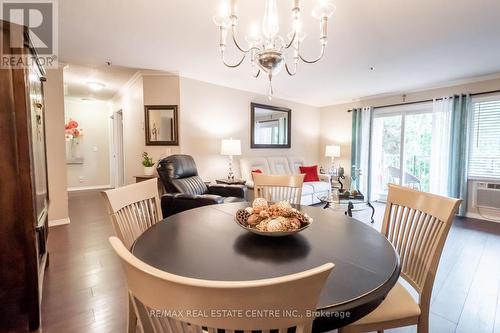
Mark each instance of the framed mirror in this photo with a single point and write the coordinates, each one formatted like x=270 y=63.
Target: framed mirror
x=270 y=126
x=161 y=125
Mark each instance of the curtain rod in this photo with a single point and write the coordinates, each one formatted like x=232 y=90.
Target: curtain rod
x=486 y=92
x=401 y=104
x=429 y=100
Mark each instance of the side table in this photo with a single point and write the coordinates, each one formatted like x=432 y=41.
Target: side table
x=141 y=178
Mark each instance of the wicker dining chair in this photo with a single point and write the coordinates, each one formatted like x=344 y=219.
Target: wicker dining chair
x=292 y=299
x=278 y=188
x=417 y=224
x=133 y=209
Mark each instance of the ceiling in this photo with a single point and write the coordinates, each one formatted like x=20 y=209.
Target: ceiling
x=411 y=44
x=77 y=77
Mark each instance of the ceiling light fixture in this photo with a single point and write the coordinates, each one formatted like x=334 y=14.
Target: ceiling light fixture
x=96 y=86
x=267 y=52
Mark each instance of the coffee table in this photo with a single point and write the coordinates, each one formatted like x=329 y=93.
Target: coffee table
x=348 y=204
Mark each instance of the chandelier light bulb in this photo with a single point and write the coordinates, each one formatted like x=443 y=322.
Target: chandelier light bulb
x=324 y=9
x=221 y=19
x=253 y=37
x=270 y=24
x=233 y=7
x=253 y=30
x=297 y=25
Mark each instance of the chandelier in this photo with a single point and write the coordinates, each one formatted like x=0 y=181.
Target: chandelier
x=267 y=51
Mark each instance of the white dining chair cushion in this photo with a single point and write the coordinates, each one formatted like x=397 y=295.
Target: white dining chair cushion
x=397 y=304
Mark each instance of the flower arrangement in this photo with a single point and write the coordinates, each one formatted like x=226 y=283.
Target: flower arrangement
x=147 y=161
x=72 y=130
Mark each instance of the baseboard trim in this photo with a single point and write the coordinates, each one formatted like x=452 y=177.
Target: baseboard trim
x=86 y=188
x=480 y=217
x=54 y=223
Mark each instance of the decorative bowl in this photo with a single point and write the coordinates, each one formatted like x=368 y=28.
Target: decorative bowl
x=272 y=233
x=272 y=219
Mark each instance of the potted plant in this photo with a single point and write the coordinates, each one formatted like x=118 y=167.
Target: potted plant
x=148 y=164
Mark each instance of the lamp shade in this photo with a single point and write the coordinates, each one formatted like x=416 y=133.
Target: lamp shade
x=332 y=151
x=230 y=147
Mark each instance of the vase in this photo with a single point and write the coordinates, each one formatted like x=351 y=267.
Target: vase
x=149 y=171
x=74 y=153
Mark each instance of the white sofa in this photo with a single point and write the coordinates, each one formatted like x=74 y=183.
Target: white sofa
x=281 y=165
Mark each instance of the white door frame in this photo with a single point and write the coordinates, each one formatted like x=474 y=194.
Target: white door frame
x=117 y=164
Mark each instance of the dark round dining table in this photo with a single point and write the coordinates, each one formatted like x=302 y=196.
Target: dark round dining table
x=207 y=243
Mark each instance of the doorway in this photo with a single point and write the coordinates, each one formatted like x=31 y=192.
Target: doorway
x=401 y=148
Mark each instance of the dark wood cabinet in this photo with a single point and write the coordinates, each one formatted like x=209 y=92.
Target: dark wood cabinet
x=24 y=197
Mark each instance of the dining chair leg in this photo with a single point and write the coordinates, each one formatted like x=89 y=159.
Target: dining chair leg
x=132 y=318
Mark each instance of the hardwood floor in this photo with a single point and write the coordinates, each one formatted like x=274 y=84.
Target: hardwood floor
x=85 y=290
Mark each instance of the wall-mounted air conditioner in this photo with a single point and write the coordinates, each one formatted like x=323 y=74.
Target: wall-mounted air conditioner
x=487 y=195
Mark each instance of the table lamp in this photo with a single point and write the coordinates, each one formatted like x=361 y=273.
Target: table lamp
x=332 y=151
x=230 y=148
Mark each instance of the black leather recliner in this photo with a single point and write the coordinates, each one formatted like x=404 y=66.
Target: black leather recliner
x=186 y=190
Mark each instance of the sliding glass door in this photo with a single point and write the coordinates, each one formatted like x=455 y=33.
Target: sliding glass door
x=401 y=148
x=385 y=154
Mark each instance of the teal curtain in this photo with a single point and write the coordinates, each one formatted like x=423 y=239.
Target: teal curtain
x=360 y=149
x=459 y=144
x=356 y=145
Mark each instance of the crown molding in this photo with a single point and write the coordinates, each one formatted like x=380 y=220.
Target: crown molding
x=435 y=86
x=139 y=75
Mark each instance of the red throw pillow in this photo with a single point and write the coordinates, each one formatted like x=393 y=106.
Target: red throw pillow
x=311 y=173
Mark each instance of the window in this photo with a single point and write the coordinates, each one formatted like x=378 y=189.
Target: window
x=484 y=159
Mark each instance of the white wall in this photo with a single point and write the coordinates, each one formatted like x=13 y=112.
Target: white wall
x=130 y=101
x=93 y=119
x=56 y=161
x=336 y=129
x=210 y=113
x=143 y=90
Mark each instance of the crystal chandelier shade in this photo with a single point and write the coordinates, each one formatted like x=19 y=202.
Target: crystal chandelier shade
x=267 y=51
